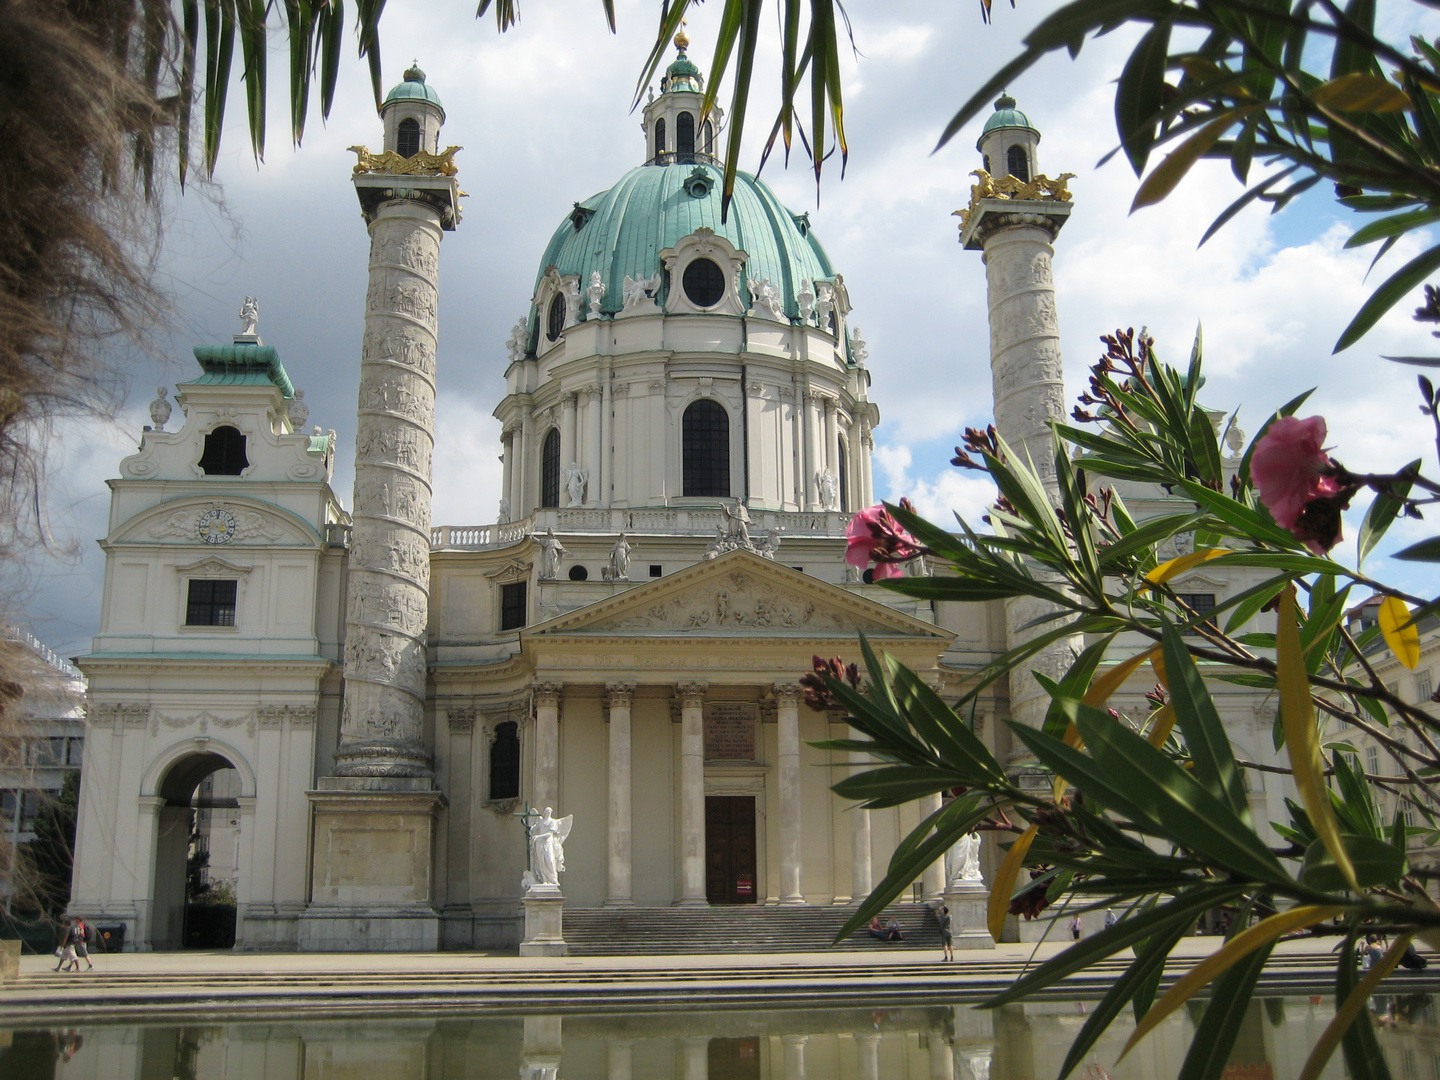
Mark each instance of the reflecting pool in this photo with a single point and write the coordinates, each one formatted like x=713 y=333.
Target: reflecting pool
x=1020 y=1042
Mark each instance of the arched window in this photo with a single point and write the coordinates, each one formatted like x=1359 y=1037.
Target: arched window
x=707 y=136
x=555 y=318
x=505 y=762
x=842 y=467
x=224 y=453
x=685 y=135
x=407 y=138
x=1019 y=163
x=550 y=469
x=705 y=449
x=660 y=136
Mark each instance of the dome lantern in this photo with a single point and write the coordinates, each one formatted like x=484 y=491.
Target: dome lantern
x=674 y=130
x=1008 y=142
x=412 y=114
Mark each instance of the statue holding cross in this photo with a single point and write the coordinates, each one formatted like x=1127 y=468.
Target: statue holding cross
x=545 y=850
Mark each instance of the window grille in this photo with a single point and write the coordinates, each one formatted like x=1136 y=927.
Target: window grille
x=705 y=449
x=1199 y=603
x=685 y=135
x=550 y=469
x=407 y=138
x=211 y=603
x=1019 y=163
x=660 y=136
x=1424 y=686
x=224 y=453
x=512 y=605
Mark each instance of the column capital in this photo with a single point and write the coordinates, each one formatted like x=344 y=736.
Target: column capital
x=462 y=721
x=618 y=695
x=547 y=693
x=691 y=694
x=787 y=695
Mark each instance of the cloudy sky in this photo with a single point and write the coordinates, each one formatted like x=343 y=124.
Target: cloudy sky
x=543 y=114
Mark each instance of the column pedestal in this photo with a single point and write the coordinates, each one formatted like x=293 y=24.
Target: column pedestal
x=544 y=936
x=967 y=904
x=371 y=884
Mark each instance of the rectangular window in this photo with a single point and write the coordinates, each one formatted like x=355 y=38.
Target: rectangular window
x=1372 y=761
x=44 y=751
x=31 y=800
x=1199 y=602
x=1424 y=686
x=512 y=606
x=75 y=752
x=9 y=804
x=211 y=603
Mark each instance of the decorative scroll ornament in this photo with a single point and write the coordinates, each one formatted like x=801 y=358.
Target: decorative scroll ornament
x=419 y=164
x=1040 y=189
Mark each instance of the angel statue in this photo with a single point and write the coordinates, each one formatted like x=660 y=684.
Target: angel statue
x=962 y=862
x=547 y=847
x=249 y=317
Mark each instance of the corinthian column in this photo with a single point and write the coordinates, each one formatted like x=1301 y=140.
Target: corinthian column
x=389 y=576
x=787 y=715
x=692 y=792
x=618 y=696
x=546 y=788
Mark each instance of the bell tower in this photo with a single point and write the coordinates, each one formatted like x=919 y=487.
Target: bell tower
x=674 y=132
x=376 y=893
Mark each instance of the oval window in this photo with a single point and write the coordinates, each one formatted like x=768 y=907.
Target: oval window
x=555 y=318
x=579 y=573
x=704 y=283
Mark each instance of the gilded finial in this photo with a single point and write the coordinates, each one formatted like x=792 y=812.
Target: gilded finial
x=682 y=39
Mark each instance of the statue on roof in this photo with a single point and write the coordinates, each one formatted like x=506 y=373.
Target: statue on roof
x=249 y=317
x=594 y=294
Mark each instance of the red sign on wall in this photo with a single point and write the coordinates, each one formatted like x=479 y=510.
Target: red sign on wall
x=745 y=885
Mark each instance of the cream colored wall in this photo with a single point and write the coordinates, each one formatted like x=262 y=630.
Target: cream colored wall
x=583 y=792
x=654 y=742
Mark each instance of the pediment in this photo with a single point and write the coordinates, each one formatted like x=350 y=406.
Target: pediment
x=738 y=595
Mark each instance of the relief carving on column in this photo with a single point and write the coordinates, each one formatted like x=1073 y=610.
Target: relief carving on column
x=407 y=345
x=619 y=695
x=389 y=659
x=547 y=694
x=417 y=251
x=399 y=394
x=390 y=605
x=403 y=553
x=395 y=496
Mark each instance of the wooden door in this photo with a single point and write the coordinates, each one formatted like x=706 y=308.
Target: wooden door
x=730 y=849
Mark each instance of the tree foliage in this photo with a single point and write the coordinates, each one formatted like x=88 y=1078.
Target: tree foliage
x=1149 y=813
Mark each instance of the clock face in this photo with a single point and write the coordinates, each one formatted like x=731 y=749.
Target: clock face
x=216 y=526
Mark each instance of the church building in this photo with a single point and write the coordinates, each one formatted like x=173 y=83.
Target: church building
x=687 y=429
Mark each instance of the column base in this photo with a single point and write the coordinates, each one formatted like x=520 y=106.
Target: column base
x=692 y=901
x=544 y=910
x=372 y=866
x=620 y=901
x=793 y=901
x=968 y=906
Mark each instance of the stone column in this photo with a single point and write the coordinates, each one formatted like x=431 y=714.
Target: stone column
x=867 y=1044
x=546 y=788
x=618 y=696
x=797 y=444
x=593 y=409
x=794 y=1056
x=861 y=878
x=867 y=478
x=697 y=1057
x=811 y=457
x=507 y=458
x=527 y=492
x=1029 y=390
x=619 y=1059
x=787 y=710
x=832 y=435
x=461 y=722
x=568 y=451
x=692 y=792
x=607 y=443
x=389 y=578
x=932 y=880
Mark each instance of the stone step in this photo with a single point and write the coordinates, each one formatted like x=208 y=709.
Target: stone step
x=740 y=929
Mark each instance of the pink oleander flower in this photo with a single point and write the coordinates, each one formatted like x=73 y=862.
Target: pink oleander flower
x=1291 y=470
x=875 y=536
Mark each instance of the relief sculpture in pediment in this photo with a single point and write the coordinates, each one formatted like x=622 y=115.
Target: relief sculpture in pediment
x=735 y=602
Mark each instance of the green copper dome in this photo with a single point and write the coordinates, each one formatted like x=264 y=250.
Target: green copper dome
x=1006 y=115
x=415 y=88
x=622 y=231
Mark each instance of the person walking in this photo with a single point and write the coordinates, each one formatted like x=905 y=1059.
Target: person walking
x=1075 y=927
x=66 y=951
x=947 y=943
x=81 y=934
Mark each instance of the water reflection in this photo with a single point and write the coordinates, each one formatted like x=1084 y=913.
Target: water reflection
x=1020 y=1042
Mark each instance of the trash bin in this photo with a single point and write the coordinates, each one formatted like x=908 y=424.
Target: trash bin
x=110 y=937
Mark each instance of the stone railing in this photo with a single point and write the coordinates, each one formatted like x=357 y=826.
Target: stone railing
x=658 y=520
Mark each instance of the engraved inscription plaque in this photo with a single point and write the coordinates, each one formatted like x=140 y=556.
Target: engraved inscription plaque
x=730 y=730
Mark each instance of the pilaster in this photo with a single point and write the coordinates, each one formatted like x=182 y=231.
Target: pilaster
x=787 y=715
x=692 y=792
x=618 y=697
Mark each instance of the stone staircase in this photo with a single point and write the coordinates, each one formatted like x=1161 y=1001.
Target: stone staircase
x=738 y=929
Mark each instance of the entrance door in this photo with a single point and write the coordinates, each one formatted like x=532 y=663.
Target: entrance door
x=730 y=849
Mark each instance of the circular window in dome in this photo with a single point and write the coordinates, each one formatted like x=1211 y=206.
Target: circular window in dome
x=555 y=318
x=704 y=283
